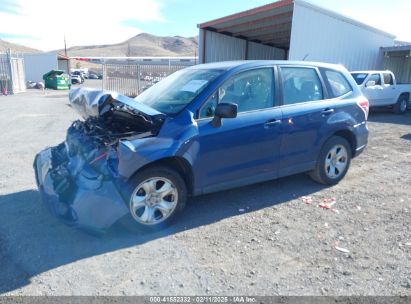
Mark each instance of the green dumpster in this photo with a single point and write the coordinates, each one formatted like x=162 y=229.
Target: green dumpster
x=57 y=80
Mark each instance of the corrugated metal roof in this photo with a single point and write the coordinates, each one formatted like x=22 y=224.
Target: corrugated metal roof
x=397 y=48
x=271 y=24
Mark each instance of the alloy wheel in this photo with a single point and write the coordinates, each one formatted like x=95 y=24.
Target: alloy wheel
x=336 y=161
x=153 y=200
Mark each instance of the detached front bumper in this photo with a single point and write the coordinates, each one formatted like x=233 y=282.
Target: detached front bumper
x=84 y=200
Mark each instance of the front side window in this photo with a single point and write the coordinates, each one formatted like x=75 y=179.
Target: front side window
x=251 y=90
x=376 y=78
x=300 y=85
x=338 y=84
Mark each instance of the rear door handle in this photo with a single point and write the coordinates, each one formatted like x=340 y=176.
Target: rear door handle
x=327 y=111
x=272 y=123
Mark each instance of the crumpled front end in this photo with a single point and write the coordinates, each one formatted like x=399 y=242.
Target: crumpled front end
x=77 y=192
x=79 y=178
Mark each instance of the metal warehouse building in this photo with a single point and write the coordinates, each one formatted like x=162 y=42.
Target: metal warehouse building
x=294 y=30
x=38 y=64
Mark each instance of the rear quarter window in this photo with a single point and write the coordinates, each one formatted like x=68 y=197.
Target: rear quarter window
x=338 y=84
x=388 y=79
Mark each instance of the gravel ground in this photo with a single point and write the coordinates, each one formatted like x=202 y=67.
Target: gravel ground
x=257 y=240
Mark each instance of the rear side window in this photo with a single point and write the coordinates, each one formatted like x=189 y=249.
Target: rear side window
x=338 y=83
x=300 y=85
x=388 y=79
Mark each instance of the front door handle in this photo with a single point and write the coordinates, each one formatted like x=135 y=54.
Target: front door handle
x=327 y=111
x=272 y=123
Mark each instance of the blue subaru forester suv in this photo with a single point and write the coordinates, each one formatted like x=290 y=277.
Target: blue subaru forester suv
x=203 y=129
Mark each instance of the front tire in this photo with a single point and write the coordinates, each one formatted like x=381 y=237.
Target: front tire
x=156 y=196
x=402 y=104
x=333 y=161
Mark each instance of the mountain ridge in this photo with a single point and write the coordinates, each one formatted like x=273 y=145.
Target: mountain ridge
x=14 y=47
x=143 y=44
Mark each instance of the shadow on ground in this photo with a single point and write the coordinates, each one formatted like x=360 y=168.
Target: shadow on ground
x=384 y=115
x=32 y=241
x=406 y=136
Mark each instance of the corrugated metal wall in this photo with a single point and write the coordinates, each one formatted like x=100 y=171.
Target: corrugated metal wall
x=64 y=65
x=219 y=47
x=258 y=51
x=320 y=36
x=400 y=64
x=222 y=47
x=36 y=65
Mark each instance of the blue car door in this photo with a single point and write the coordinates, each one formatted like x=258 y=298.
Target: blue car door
x=305 y=112
x=244 y=149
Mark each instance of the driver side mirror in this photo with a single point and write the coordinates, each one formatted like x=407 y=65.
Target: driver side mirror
x=370 y=83
x=224 y=110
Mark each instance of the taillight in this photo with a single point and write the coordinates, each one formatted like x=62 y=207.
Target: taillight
x=364 y=105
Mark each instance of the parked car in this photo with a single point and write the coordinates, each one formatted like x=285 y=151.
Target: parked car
x=202 y=129
x=381 y=89
x=92 y=76
x=75 y=79
x=80 y=74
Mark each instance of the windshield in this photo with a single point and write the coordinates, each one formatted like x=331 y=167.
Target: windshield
x=359 y=77
x=173 y=93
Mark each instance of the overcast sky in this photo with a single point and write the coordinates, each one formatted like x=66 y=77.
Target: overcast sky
x=42 y=24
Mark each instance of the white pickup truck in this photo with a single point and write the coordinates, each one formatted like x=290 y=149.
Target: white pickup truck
x=381 y=89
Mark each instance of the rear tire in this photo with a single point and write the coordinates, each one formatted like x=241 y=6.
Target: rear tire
x=333 y=161
x=155 y=197
x=401 y=106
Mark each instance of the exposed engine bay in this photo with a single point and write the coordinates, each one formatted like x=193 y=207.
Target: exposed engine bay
x=84 y=168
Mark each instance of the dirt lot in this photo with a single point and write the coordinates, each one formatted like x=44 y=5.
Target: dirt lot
x=257 y=240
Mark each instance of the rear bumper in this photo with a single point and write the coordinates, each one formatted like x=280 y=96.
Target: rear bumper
x=361 y=135
x=80 y=201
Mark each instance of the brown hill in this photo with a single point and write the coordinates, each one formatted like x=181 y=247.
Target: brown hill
x=5 y=45
x=141 y=45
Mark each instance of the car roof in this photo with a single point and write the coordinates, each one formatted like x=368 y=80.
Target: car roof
x=228 y=65
x=371 y=71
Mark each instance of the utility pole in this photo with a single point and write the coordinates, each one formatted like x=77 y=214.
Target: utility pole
x=65 y=46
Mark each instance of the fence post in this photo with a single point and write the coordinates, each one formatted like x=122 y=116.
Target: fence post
x=10 y=86
x=103 y=72
x=138 y=78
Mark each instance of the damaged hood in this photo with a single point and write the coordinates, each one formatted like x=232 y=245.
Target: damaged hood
x=95 y=103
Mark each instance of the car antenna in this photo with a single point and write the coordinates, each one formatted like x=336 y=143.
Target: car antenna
x=306 y=55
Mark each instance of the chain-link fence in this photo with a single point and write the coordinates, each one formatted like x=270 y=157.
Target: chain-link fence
x=132 y=79
x=12 y=79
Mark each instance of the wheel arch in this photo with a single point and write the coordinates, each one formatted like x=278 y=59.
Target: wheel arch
x=405 y=94
x=348 y=136
x=178 y=164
